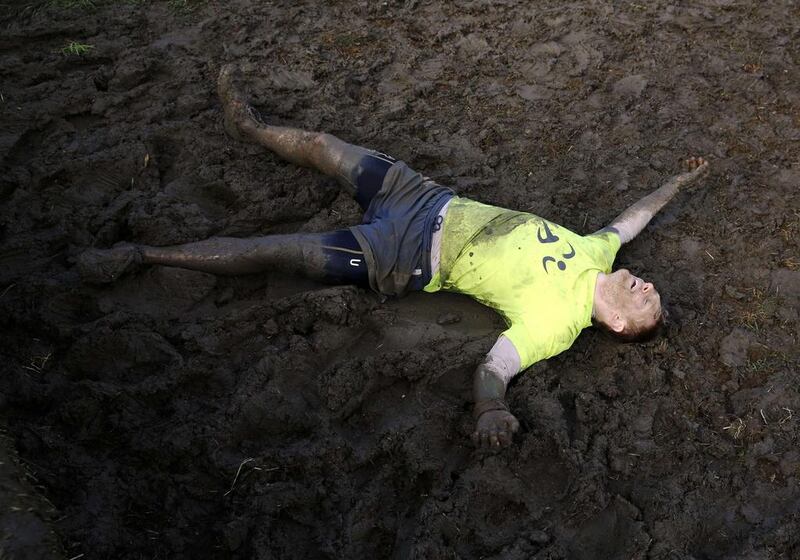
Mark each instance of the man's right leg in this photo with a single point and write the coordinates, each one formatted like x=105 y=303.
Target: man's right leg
x=360 y=169
x=334 y=257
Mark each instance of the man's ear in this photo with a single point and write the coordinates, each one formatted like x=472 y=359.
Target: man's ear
x=617 y=323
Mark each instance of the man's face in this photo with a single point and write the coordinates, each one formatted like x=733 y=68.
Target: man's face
x=636 y=301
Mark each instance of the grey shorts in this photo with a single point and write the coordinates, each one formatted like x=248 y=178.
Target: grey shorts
x=397 y=229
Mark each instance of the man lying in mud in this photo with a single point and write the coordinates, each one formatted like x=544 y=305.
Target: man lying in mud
x=546 y=281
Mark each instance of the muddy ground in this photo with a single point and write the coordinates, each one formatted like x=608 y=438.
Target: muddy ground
x=180 y=415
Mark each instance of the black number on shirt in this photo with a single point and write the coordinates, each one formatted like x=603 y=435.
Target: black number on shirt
x=550 y=237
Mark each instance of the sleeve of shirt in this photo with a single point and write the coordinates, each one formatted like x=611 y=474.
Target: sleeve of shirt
x=504 y=358
x=603 y=248
x=536 y=341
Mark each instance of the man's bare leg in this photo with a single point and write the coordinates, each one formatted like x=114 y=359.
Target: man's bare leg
x=233 y=256
x=331 y=257
x=318 y=150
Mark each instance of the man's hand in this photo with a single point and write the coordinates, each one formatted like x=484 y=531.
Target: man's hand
x=494 y=429
x=696 y=169
x=634 y=219
x=495 y=424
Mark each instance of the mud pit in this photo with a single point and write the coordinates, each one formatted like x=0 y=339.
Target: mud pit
x=177 y=414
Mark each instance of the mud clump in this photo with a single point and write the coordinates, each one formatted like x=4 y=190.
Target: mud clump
x=181 y=415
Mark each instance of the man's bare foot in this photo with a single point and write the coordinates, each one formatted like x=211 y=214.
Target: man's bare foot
x=103 y=266
x=241 y=118
x=697 y=168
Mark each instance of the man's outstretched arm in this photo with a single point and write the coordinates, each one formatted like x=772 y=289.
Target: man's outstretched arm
x=634 y=219
x=495 y=425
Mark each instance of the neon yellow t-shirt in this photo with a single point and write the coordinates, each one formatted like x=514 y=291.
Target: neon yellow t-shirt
x=538 y=275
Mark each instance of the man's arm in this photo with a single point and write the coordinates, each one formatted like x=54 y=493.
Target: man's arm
x=495 y=424
x=636 y=217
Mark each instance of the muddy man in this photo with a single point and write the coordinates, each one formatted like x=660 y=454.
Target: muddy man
x=546 y=281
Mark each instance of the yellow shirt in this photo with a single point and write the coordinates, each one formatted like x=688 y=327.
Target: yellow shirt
x=538 y=275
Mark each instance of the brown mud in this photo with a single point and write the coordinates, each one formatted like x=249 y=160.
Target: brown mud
x=176 y=414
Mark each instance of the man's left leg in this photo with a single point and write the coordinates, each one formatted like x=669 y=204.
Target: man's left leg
x=333 y=257
x=359 y=169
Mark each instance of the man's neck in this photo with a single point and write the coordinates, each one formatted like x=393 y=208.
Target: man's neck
x=599 y=304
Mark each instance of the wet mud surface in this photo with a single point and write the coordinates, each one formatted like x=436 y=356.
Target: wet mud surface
x=177 y=414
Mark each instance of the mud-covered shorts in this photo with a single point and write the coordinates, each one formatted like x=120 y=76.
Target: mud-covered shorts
x=395 y=235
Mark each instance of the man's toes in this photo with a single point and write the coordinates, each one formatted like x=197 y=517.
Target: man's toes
x=505 y=438
x=485 y=440
x=476 y=438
